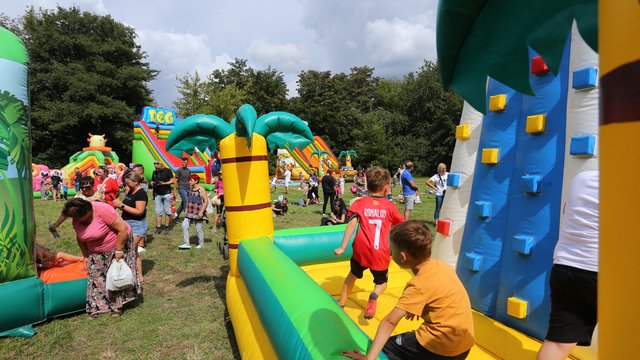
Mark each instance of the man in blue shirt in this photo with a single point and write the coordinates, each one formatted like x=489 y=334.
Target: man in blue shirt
x=409 y=189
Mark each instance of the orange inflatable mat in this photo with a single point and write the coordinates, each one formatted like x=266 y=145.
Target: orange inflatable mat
x=65 y=272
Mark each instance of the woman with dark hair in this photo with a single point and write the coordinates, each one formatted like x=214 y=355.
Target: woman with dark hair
x=328 y=190
x=87 y=193
x=360 y=181
x=103 y=236
x=134 y=212
x=338 y=213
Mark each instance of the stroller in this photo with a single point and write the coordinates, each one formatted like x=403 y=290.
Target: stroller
x=223 y=246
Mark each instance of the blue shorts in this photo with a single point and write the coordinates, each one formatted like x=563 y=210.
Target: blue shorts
x=139 y=228
x=162 y=204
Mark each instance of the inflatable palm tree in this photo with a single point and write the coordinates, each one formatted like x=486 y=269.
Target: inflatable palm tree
x=347 y=154
x=321 y=155
x=243 y=155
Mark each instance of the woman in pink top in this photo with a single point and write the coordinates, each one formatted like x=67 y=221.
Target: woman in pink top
x=103 y=236
x=219 y=190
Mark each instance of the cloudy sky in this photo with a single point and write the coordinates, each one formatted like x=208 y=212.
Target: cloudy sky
x=393 y=36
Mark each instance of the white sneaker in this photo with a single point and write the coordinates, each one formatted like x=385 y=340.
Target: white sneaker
x=141 y=249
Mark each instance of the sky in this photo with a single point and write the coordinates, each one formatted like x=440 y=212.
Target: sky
x=180 y=37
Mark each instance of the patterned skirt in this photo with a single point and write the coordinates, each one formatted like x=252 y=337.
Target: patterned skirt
x=99 y=300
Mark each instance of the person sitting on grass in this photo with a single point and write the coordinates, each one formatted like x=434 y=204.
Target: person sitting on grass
x=280 y=207
x=338 y=214
x=434 y=294
x=195 y=212
x=375 y=214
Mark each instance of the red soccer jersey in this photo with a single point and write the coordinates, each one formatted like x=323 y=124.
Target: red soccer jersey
x=371 y=244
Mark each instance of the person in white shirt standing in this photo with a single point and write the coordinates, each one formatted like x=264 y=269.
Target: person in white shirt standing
x=287 y=177
x=574 y=276
x=438 y=183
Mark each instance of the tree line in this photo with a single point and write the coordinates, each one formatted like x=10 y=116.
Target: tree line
x=89 y=74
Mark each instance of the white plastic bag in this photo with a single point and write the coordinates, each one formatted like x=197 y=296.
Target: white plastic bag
x=119 y=276
x=209 y=209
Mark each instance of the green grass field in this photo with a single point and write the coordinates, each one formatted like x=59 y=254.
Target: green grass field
x=183 y=314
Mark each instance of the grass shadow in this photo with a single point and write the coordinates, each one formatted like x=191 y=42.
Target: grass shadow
x=147 y=266
x=195 y=279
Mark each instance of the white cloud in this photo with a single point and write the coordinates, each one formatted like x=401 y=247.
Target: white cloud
x=94 y=6
x=176 y=54
x=398 y=41
x=287 y=57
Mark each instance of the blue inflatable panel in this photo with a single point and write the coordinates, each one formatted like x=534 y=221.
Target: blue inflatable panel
x=535 y=217
x=491 y=183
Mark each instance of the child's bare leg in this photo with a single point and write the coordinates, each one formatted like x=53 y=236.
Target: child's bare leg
x=136 y=243
x=552 y=350
x=346 y=288
x=379 y=289
x=68 y=257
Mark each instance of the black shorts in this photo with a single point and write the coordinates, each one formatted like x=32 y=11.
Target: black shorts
x=405 y=346
x=379 y=276
x=574 y=305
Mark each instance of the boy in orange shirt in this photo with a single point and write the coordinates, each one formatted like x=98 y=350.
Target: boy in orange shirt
x=435 y=294
x=375 y=214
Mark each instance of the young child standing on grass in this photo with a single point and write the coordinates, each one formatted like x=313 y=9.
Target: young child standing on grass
x=197 y=201
x=434 y=294
x=375 y=214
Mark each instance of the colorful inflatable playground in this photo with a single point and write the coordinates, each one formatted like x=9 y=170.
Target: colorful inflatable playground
x=150 y=137
x=535 y=116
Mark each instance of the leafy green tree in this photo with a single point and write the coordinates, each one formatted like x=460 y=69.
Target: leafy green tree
x=223 y=102
x=387 y=95
x=333 y=104
x=226 y=90
x=193 y=95
x=267 y=91
x=376 y=144
x=88 y=74
x=432 y=114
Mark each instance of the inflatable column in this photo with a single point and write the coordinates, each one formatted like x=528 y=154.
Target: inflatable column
x=17 y=222
x=619 y=288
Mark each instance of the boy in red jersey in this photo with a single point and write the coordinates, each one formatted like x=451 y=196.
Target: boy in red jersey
x=375 y=214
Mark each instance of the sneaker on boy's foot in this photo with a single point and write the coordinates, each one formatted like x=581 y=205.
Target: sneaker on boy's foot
x=167 y=230
x=184 y=247
x=158 y=231
x=141 y=249
x=199 y=246
x=370 y=310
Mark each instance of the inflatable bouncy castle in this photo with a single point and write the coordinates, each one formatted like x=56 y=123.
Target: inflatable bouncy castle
x=530 y=125
x=150 y=136
x=26 y=299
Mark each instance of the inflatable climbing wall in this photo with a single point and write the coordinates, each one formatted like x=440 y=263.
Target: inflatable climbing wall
x=506 y=188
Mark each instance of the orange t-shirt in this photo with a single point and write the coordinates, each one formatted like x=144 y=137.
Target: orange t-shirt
x=437 y=295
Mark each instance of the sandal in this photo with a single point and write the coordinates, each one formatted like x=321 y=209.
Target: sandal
x=116 y=313
x=93 y=315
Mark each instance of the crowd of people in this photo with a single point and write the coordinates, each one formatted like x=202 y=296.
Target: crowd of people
x=110 y=226
x=103 y=235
